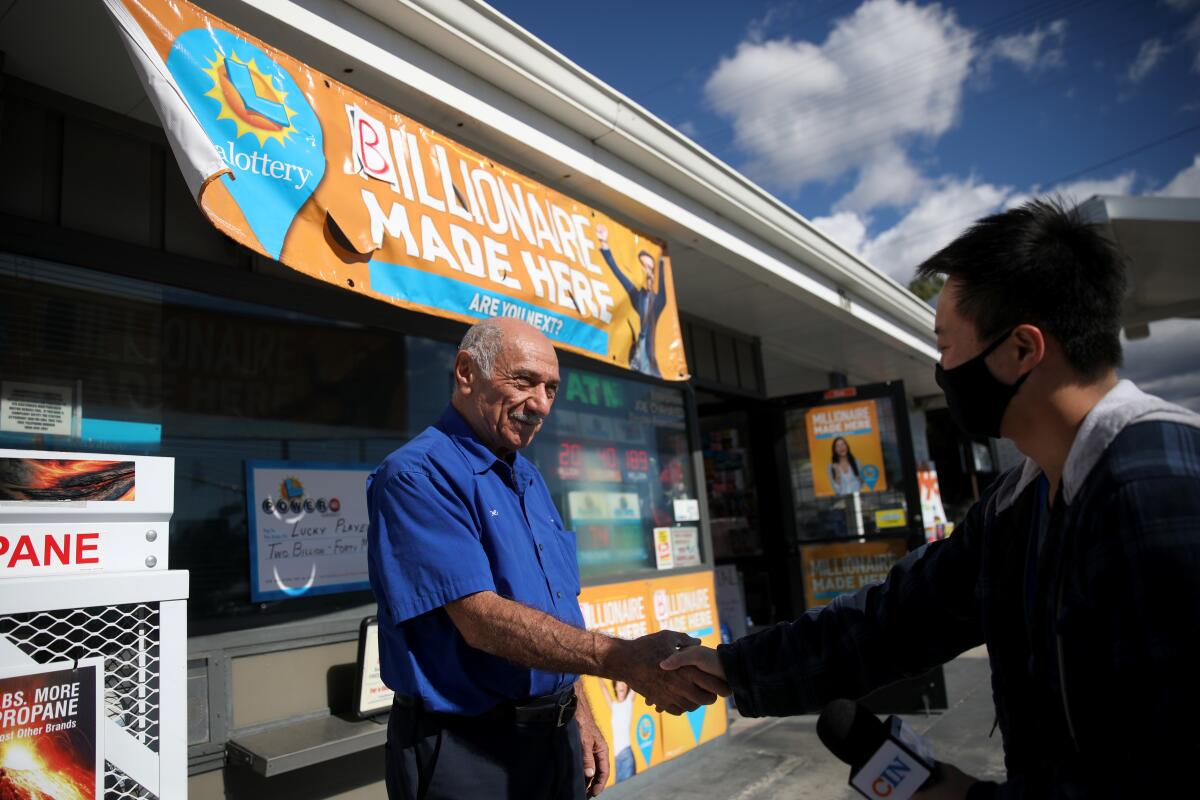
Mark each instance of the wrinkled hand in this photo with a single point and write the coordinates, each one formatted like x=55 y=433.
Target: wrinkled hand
x=953 y=785
x=595 y=751
x=673 y=691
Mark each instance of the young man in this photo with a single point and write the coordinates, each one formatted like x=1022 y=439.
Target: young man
x=1080 y=570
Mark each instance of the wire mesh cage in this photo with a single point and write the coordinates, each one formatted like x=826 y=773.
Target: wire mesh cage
x=127 y=638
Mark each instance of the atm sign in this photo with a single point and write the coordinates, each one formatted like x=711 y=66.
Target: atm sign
x=20 y=552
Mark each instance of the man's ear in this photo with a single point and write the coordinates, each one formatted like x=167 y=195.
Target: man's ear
x=1031 y=345
x=464 y=372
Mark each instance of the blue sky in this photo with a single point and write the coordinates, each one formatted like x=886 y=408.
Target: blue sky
x=892 y=124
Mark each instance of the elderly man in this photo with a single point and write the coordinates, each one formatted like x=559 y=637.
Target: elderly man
x=480 y=630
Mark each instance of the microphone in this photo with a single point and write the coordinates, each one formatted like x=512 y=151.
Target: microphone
x=887 y=759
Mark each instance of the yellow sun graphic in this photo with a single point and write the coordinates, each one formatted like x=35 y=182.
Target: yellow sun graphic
x=241 y=109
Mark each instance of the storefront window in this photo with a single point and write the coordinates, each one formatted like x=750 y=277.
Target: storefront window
x=127 y=366
x=615 y=455
x=212 y=382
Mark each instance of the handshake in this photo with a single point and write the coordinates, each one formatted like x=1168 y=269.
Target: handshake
x=671 y=670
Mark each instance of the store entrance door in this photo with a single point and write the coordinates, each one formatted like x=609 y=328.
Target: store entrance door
x=742 y=509
x=851 y=502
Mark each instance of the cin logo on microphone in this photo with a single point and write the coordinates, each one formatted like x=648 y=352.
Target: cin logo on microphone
x=893 y=775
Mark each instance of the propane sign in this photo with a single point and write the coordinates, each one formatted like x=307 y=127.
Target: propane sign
x=64 y=513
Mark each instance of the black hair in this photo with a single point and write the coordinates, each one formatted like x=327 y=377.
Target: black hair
x=1040 y=264
x=833 y=456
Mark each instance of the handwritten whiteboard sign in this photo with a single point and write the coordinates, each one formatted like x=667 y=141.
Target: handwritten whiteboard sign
x=308 y=528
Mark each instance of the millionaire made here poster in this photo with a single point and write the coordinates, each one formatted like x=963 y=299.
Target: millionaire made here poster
x=50 y=735
x=845 y=448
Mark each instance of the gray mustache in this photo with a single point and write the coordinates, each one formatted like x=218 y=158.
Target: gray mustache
x=528 y=419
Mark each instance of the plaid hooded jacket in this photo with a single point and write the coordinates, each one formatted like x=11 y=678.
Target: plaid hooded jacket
x=1093 y=638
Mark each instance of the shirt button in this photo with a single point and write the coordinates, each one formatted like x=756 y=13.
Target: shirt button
x=541 y=546
x=559 y=594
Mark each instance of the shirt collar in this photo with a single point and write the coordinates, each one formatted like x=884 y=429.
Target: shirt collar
x=476 y=452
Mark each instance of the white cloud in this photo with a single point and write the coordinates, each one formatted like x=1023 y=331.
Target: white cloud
x=889 y=73
x=1078 y=191
x=845 y=227
x=687 y=128
x=1192 y=36
x=932 y=223
x=1148 y=57
x=889 y=179
x=759 y=27
x=938 y=217
x=945 y=210
x=1186 y=182
x=1039 y=49
x=1075 y=192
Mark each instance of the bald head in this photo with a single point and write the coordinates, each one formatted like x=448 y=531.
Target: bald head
x=485 y=340
x=505 y=381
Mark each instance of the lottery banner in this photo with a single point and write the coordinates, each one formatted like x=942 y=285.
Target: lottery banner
x=304 y=170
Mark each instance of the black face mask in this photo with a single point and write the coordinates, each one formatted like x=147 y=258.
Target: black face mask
x=977 y=400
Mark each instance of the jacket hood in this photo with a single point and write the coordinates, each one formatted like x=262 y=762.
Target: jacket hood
x=1124 y=405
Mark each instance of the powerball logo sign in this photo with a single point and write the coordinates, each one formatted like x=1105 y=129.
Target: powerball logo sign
x=260 y=122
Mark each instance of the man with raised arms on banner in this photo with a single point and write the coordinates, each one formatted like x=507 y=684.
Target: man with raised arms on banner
x=648 y=302
x=480 y=631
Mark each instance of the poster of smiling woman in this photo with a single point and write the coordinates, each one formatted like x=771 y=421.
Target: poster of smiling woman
x=844 y=446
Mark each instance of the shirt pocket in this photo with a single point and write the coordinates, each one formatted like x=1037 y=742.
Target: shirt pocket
x=568 y=549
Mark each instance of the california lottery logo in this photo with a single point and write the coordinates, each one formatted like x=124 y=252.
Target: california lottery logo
x=291 y=488
x=251 y=99
x=260 y=122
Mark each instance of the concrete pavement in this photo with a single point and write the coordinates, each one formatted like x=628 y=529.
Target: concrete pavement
x=783 y=759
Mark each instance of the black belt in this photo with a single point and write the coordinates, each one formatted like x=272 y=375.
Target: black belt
x=552 y=710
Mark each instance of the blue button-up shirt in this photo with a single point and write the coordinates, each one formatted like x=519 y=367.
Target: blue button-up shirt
x=448 y=519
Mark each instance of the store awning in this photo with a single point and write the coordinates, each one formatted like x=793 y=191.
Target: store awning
x=1161 y=238
x=293 y=164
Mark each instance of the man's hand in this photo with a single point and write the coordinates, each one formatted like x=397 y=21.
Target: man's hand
x=676 y=691
x=595 y=749
x=702 y=658
x=953 y=785
x=602 y=235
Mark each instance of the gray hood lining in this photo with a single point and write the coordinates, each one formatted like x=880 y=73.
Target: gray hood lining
x=1124 y=405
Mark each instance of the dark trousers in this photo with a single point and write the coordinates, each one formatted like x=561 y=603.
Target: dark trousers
x=444 y=757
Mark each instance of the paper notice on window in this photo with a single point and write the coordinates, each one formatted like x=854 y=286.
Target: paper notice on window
x=663 y=557
x=36 y=408
x=685 y=547
x=687 y=510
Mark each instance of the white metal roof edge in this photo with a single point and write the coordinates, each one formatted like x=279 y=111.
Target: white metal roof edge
x=497 y=51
